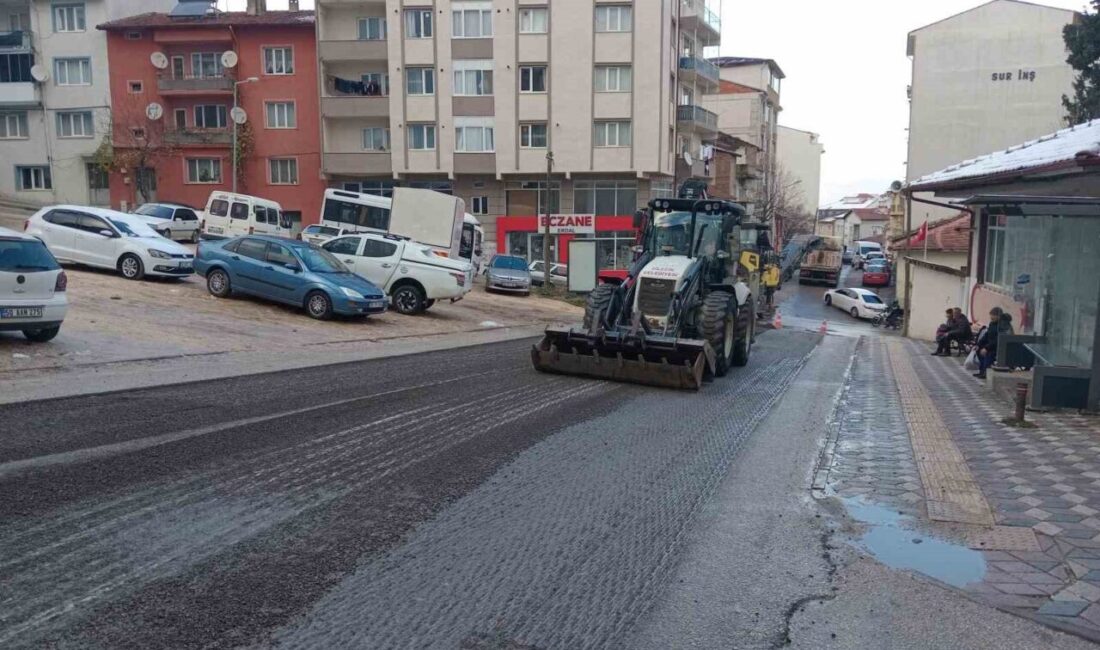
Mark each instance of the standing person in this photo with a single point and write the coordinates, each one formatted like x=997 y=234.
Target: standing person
x=987 y=342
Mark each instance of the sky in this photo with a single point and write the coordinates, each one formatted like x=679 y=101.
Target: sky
x=846 y=75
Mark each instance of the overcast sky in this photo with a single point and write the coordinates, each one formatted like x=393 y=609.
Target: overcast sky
x=846 y=75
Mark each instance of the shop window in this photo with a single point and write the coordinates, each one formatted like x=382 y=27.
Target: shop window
x=605 y=197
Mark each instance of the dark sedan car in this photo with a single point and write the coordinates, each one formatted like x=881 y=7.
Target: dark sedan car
x=284 y=270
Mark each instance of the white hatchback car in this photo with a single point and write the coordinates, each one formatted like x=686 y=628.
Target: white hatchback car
x=109 y=240
x=171 y=220
x=32 y=288
x=860 y=303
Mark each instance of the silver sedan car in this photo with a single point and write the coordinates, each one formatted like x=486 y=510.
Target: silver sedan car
x=508 y=273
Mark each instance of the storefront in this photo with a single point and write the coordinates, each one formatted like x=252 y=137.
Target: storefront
x=615 y=237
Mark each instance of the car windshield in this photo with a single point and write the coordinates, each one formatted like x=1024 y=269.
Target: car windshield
x=319 y=260
x=876 y=268
x=25 y=255
x=671 y=230
x=871 y=299
x=131 y=229
x=506 y=262
x=158 y=211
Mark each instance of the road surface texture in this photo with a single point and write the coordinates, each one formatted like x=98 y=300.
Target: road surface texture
x=422 y=501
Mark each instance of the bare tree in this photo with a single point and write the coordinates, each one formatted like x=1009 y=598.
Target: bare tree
x=133 y=146
x=781 y=203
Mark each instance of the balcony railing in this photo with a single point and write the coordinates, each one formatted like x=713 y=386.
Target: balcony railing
x=15 y=41
x=701 y=66
x=18 y=94
x=700 y=9
x=698 y=116
x=198 y=137
x=218 y=84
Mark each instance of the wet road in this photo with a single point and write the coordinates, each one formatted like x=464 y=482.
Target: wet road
x=804 y=305
x=454 y=499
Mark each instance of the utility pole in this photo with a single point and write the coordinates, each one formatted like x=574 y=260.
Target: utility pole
x=546 y=227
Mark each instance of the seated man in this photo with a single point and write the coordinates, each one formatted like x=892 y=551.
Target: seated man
x=999 y=322
x=943 y=343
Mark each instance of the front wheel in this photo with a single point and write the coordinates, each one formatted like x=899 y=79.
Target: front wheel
x=720 y=323
x=194 y=237
x=217 y=283
x=854 y=312
x=130 y=266
x=43 y=335
x=828 y=299
x=408 y=299
x=595 y=309
x=319 y=305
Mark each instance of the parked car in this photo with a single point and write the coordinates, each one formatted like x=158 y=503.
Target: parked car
x=111 y=240
x=287 y=271
x=508 y=273
x=318 y=234
x=873 y=256
x=411 y=273
x=171 y=220
x=862 y=250
x=32 y=288
x=559 y=273
x=860 y=303
x=231 y=215
x=876 y=273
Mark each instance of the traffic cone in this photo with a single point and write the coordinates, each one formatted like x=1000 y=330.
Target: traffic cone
x=824 y=329
x=778 y=322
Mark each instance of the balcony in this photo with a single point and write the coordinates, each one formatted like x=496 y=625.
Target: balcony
x=696 y=118
x=199 y=137
x=698 y=170
x=18 y=41
x=696 y=16
x=705 y=73
x=353 y=50
x=357 y=164
x=19 y=94
x=355 y=106
x=180 y=86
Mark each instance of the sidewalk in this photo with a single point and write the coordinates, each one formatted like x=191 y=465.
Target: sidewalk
x=919 y=435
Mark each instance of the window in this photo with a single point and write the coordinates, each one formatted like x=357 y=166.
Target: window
x=74 y=124
x=660 y=189
x=365 y=216
x=281 y=255
x=36 y=177
x=343 y=246
x=278 y=60
x=284 y=171
x=612 y=78
x=15 y=68
x=238 y=211
x=995 y=251
x=206 y=64
x=379 y=248
x=254 y=248
x=219 y=208
x=13 y=126
x=612 y=134
x=472 y=23
x=177 y=68
x=532 y=78
x=534 y=20
x=68 y=18
x=479 y=205
x=614 y=18
x=418 y=23
x=281 y=115
x=186 y=215
x=180 y=116
x=133 y=36
x=210 y=116
x=376 y=138
x=372 y=29
x=136 y=87
x=474 y=83
x=421 y=136
x=473 y=139
x=420 y=81
x=137 y=132
x=204 y=170
x=532 y=136
x=73 y=72
x=380 y=79
x=605 y=197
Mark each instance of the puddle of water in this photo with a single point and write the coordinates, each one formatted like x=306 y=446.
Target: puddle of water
x=899 y=547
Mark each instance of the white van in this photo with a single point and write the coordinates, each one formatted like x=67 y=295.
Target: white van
x=231 y=215
x=861 y=250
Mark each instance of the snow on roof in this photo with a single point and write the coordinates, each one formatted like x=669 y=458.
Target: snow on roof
x=1060 y=148
x=853 y=202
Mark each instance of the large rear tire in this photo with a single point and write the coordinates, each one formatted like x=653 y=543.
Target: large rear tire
x=746 y=332
x=597 y=304
x=719 y=328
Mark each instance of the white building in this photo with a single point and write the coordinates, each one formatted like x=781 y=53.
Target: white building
x=799 y=155
x=983 y=80
x=55 y=97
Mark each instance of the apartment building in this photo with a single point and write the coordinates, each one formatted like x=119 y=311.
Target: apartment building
x=54 y=97
x=798 y=155
x=473 y=97
x=174 y=83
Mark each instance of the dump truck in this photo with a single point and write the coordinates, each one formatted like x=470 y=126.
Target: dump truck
x=822 y=263
x=684 y=312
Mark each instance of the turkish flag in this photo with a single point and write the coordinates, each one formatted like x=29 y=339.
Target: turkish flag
x=922 y=233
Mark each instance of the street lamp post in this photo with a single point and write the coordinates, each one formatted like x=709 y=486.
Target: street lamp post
x=235 y=85
x=546 y=226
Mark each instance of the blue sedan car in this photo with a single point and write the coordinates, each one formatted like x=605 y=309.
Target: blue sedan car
x=287 y=271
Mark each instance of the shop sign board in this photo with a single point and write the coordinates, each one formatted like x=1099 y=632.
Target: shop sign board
x=583 y=269
x=569 y=224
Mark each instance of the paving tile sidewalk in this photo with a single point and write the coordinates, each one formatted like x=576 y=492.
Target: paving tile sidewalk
x=1045 y=480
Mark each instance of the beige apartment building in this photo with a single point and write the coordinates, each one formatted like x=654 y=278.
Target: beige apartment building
x=472 y=96
x=982 y=81
x=798 y=154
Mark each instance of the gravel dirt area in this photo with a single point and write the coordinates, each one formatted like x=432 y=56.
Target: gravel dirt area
x=111 y=320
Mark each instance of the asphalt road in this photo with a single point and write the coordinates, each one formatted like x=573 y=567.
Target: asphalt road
x=804 y=305
x=450 y=499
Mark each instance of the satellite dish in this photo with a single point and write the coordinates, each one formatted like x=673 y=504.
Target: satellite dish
x=229 y=59
x=238 y=115
x=688 y=159
x=39 y=73
x=154 y=111
x=158 y=60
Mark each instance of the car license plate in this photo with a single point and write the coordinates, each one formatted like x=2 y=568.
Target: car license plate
x=377 y=304
x=21 y=312
x=186 y=267
x=217 y=230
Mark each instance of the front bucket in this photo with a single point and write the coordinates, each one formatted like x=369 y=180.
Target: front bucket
x=656 y=361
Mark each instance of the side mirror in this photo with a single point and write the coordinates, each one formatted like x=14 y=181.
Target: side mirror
x=292 y=267
x=107 y=233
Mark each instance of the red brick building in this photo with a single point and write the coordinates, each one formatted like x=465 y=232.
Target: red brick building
x=189 y=68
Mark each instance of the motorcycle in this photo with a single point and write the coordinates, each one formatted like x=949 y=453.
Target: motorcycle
x=891 y=318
